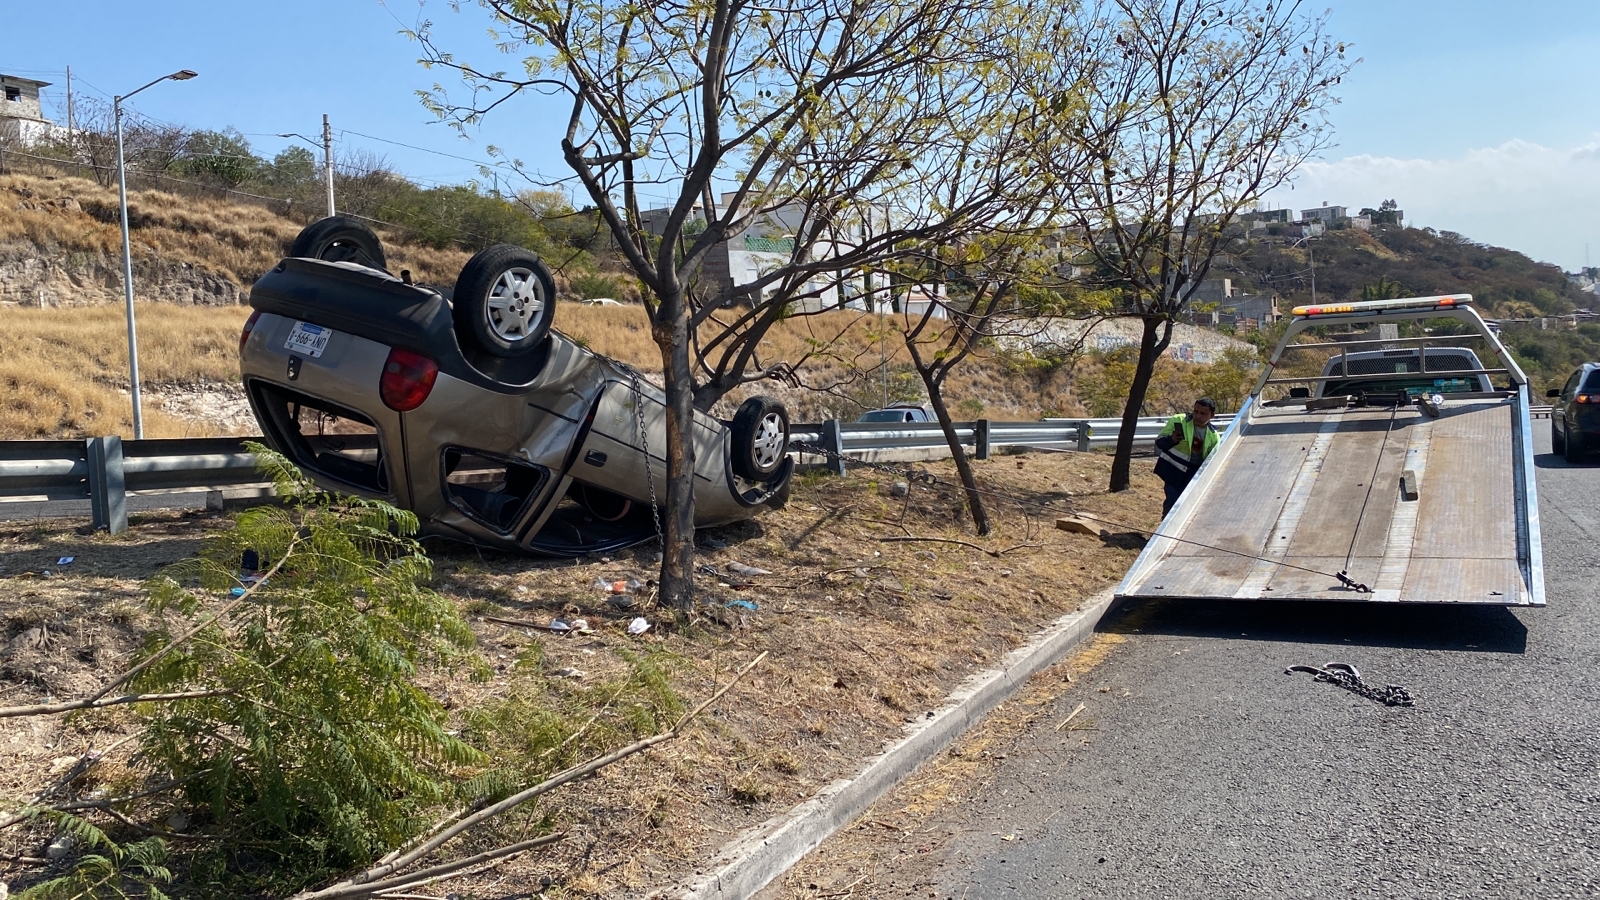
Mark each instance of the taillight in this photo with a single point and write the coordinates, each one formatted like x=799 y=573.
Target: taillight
x=249 y=326
x=1588 y=398
x=407 y=380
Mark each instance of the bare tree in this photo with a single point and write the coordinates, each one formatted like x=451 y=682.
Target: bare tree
x=858 y=131
x=148 y=146
x=1194 y=110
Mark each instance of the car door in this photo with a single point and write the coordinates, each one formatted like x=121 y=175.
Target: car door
x=1563 y=405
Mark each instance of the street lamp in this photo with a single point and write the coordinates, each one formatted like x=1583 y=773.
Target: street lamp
x=127 y=250
x=327 y=154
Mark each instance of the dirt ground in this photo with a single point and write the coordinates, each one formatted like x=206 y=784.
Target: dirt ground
x=866 y=631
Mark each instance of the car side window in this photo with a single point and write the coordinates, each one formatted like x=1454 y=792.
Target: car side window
x=1572 y=384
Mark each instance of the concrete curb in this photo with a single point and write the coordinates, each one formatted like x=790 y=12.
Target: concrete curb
x=757 y=857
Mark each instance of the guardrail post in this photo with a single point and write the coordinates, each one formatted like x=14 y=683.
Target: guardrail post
x=980 y=437
x=833 y=442
x=108 y=495
x=1085 y=432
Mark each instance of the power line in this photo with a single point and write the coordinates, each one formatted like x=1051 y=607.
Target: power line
x=423 y=149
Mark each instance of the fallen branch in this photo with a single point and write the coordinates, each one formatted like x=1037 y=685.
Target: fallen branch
x=937 y=540
x=443 y=870
x=378 y=878
x=1081 y=708
x=42 y=709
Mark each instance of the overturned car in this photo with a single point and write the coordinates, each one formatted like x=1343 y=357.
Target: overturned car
x=464 y=406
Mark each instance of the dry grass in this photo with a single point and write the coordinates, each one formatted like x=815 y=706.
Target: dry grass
x=237 y=241
x=65 y=371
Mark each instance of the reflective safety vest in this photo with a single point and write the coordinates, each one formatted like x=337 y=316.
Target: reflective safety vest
x=1174 y=461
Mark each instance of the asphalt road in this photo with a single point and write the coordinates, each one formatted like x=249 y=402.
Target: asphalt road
x=1208 y=772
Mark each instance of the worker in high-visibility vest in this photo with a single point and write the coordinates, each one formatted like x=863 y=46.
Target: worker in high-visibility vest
x=1184 y=443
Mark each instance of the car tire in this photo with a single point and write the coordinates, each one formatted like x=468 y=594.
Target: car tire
x=339 y=239
x=1572 y=448
x=760 y=438
x=1556 y=444
x=504 y=301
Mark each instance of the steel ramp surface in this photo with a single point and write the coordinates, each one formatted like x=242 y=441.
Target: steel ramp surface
x=1293 y=497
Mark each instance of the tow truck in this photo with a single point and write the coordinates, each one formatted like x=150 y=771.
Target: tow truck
x=1411 y=482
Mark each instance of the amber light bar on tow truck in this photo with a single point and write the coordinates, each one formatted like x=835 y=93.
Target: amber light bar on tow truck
x=1445 y=302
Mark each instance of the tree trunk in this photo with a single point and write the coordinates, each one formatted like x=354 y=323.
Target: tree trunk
x=1150 y=349
x=671 y=333
x=980 y=517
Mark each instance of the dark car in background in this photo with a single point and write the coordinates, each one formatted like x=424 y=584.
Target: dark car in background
x=463 y=405
x=1575 y=414
x=897 y=414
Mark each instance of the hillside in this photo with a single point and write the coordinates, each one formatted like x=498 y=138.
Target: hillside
x=1394 y=261
x=64 y=372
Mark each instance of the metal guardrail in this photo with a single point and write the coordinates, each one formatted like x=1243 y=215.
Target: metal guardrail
x=106 y=470
x=876 y=441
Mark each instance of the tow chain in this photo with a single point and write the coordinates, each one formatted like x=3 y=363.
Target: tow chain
x=644 y=446
x=1349 y=677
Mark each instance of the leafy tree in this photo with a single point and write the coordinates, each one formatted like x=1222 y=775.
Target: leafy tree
x=1226 y=381
x=292 y=167
x=1195 y=110
x=222 y=157
x=851 y=132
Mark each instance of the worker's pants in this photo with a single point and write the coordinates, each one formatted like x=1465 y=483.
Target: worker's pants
x=1174 y=491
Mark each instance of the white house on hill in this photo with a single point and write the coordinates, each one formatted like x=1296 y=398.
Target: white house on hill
x=21 y=115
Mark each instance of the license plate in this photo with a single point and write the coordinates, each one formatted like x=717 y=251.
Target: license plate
x=308 y=339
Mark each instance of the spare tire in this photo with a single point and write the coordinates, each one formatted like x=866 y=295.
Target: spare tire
x=504 y=301
x=339 y=239
x=760 y=438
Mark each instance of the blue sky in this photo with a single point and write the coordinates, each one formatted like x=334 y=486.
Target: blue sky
x=1477 y=116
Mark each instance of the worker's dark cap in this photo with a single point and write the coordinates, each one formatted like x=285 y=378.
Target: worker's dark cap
x=1206 y=402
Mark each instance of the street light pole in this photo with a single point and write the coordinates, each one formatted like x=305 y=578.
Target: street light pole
x=327 y=154
x=127 y=250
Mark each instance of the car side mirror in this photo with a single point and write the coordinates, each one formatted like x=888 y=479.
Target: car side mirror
x=1553 y=392
x=1300 y=393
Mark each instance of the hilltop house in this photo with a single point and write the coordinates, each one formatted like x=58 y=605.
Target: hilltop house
x=1229 y=307
x=1325 y=214
x=21 y=115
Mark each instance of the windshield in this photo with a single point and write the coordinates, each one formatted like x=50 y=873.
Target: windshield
x=1592 y=382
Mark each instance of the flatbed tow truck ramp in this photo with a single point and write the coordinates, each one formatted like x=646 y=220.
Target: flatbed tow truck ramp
x=1397 y=475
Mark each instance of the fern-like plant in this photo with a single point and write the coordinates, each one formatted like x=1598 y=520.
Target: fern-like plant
x=318 y=750
x=106 y=870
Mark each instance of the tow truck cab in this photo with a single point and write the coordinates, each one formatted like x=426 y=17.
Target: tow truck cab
x=1447 y=370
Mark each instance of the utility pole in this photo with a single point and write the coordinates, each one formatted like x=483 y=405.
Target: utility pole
x=327 y=158
x=69 y=104
x=1311 y=253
